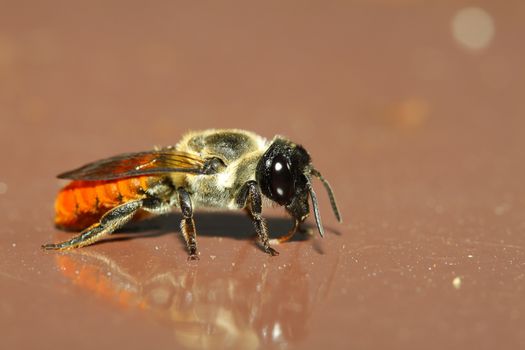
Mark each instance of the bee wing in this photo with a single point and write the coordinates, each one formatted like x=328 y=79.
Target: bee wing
x=136 y=164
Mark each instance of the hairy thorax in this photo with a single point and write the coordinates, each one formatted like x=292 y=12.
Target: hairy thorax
x=239 y=152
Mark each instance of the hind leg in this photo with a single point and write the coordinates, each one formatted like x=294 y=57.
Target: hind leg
x=111 y=221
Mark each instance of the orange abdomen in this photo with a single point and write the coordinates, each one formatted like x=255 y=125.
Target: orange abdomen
x=82 y=203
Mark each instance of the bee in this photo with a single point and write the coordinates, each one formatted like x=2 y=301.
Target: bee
x=220 y=169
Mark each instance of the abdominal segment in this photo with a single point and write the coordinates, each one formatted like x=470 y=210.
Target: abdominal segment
x=82 y=203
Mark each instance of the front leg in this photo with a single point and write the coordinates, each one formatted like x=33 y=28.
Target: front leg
x=290 y=233
x=250 y=198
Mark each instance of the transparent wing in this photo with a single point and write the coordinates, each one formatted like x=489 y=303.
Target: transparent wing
x=137 y=164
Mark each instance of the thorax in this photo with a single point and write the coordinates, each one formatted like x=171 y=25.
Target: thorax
x=239 y=150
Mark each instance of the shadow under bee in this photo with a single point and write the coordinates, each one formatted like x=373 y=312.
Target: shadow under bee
x=209 y=224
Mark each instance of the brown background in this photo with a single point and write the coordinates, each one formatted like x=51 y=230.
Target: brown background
x=421 y=137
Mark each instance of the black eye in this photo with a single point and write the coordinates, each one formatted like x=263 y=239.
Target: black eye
x=281 y=181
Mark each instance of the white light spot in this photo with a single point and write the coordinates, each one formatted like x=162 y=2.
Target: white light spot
x=13 y=245
x=189 y=297
x=456 y=282
x=470 y=256
x=276 y=332
x=473 y=28
x=280 y=191
x=278 y=166
x=265 y=332
x=3 y=187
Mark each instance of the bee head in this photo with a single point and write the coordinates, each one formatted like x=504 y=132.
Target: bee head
x=284 y=172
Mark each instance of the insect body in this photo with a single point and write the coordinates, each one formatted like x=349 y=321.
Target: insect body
x=226 y=169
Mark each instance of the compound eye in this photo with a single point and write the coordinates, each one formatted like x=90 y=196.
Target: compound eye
x=281 y=181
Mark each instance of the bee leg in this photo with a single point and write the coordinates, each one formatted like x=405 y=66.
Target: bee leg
x=250 y=197
x=290 y=233
x=111 y=221
x=187 y=225
x=305 y=230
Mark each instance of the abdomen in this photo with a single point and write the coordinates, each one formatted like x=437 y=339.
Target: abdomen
x=82 y=203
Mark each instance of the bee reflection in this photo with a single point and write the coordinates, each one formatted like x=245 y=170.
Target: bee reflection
x=206 y=306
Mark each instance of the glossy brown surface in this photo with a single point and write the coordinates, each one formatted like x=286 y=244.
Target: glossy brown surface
x=412 y=109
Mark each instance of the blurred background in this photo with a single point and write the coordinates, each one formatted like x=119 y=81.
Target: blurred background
x=412 y=109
